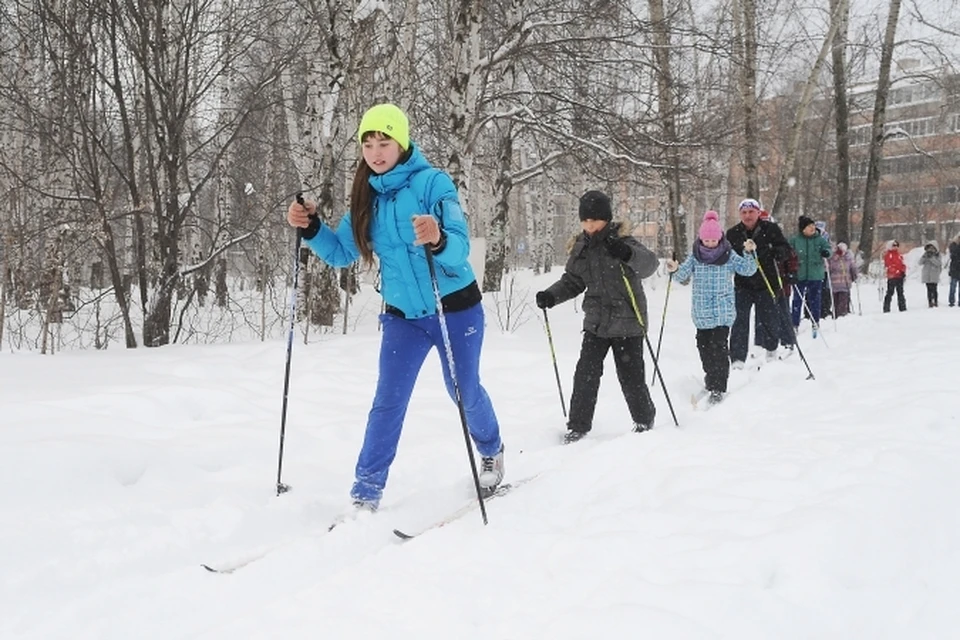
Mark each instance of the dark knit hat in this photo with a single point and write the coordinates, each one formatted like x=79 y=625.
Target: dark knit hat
x=804 y=222
x=595 y=205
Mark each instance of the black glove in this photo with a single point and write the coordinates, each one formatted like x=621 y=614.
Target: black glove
x=312 y=230
x=545 y=299
x=825 y=253
x=617 y=248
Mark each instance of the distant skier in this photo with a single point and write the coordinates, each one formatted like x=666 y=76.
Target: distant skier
x=954 y=270
x=811 y=248
x=752 y=291
x=930 y=267
x=843 y=273
x=896 y=273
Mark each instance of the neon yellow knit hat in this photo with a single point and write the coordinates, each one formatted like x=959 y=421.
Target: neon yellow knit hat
x=387 y=119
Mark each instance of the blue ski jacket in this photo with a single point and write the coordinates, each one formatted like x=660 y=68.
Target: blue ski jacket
x=412 y=187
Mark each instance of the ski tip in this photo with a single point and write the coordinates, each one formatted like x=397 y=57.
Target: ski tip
x=210 y=569
x=402 y=535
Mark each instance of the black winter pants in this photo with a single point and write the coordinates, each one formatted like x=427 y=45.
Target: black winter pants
x=628 y=358
x=767 y=322
x=714 y=356
x=894 y=284
x=932 y=294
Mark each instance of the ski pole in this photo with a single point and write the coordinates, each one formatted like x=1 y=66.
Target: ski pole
x=281 y=487
x=782 y=313
x=448 y=348
x=833 y=301
x=646 y=339
x=663 y=318
x=553 y=356
x=786 y=333
x=806 y=307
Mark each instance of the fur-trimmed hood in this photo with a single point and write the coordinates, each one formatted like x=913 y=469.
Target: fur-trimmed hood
x=622 y=228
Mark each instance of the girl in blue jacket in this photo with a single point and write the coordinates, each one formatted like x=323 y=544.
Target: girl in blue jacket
x=400 y=208
x=712 y=265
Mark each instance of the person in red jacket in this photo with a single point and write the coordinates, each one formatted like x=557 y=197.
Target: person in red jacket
x=896 y=272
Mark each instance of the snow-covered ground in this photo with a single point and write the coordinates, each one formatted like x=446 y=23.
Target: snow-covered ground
x=797 y=509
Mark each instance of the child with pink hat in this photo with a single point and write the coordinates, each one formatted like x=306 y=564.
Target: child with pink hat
x=711 y=266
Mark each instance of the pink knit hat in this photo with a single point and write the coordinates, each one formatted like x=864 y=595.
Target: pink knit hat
x=710 y=229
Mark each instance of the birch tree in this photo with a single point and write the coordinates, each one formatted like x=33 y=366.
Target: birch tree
x=745 y=42
x=789 y=163
x=670 y=176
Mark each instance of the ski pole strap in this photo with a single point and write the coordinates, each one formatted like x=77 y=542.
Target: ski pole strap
x=633 y=298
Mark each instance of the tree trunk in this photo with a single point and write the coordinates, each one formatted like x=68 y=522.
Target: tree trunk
x=109 y=253
x=871 y=190
x=224 y=213
x=496 y=229
x=842 y=118
x=156 y=322
x=667 y=116
x=745 y=24
x=464 y=93
x=532 y=217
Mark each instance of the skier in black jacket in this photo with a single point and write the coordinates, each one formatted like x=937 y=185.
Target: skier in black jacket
x=954 y=272
x=752 y=291
x=606 y=264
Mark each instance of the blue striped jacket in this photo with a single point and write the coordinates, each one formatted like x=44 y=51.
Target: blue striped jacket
x=713 y=303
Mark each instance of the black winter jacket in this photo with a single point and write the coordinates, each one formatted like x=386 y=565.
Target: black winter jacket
x=772 y=248
x=954 y=259
x=608 y=310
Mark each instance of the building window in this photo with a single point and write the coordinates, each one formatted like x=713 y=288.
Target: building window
x=860 y=136
x=926 y=92
x=918 y=128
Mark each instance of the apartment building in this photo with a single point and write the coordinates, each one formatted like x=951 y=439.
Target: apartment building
x=919 y=190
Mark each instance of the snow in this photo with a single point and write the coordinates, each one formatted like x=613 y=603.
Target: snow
x=796 y=509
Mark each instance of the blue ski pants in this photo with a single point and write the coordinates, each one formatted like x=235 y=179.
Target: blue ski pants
x=403 y=349
x=809 y=292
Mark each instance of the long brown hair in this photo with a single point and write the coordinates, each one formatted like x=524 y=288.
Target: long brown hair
x=361 y=199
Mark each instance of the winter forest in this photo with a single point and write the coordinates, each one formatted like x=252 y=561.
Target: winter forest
x=149 y=149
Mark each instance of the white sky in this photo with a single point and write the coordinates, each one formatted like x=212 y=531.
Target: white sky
x=796 y=509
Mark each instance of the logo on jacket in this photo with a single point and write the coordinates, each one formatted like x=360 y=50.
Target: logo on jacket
x=470 y=331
